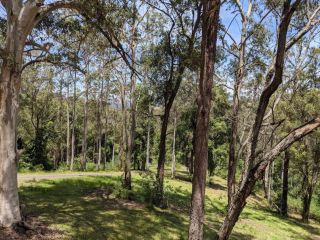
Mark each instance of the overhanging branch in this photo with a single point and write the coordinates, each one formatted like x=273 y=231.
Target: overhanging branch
x=286 y=142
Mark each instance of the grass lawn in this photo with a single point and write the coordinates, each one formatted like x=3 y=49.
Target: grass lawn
x=80 y=208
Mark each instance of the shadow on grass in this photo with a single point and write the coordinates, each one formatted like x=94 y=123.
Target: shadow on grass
x=276 y=221
x=68 y=205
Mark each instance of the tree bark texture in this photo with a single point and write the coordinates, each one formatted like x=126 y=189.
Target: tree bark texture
x=210 y=19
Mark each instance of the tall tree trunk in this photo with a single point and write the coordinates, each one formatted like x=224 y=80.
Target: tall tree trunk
x=85 y=127
x=124 y=143
x=73 y=137
x=158 y=196
x=250 y=172
x=173 y=167
x=233 y=160
x=132 y=134
x=20 y=21
x=210 y=19
x=99 y=137
x=148 y=143
x=285 y=189
x=106 y=107
x=60 y=122
x=68 y=127
x=9 y=200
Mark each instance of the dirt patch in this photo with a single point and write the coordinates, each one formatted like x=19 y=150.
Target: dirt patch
x=34 y=230
x=122 y=203
x=102 y=193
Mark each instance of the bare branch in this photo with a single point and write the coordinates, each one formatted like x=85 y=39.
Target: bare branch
x=49 y=59
x=243 y=16
x=286 y=142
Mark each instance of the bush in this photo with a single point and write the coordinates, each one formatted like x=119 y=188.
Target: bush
x=147 y=184
x=27 y=167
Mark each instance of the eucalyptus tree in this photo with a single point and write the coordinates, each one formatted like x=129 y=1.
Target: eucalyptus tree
x=257 y=159
x=210 y=20
x=21 y=17
x=169 y=56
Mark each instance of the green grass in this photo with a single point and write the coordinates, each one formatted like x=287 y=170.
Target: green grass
x=72 y=206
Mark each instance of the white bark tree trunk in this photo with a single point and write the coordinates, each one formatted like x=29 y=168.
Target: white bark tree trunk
x=9 y=200
x=21 y=16
x=20 y=20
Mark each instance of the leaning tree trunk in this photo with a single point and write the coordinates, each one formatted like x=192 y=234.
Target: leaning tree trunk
x=210 y=20
x=284 y=195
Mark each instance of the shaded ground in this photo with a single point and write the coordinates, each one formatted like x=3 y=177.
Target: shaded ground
x=40 y=231
x=92 y=207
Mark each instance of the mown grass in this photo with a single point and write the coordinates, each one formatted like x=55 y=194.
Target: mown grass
x=72 y=206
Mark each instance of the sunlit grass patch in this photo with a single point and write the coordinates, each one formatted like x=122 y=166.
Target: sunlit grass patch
x=82 y=209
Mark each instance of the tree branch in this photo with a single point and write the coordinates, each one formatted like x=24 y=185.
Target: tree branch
x=311 y=23
x=52 y=61
x=286 y=142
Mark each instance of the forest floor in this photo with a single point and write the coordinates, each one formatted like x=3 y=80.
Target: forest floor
x=92 y=206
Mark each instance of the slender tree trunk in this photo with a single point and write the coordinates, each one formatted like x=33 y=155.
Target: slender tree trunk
x=68 y=127
x=60 y=122
x=233 y=160
x=106 y=126
x=99 y=137
x=73 y=137
x=148 y=144
x=173 y=167
x=250 y=172
x=85 y=127
x=285 y=189
x=113 y=149
x=126 y=165
x=306 y=202
x=132 y=134
x=268 y=176
x=191 y=160
x=210 y=19
x=158 y=197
